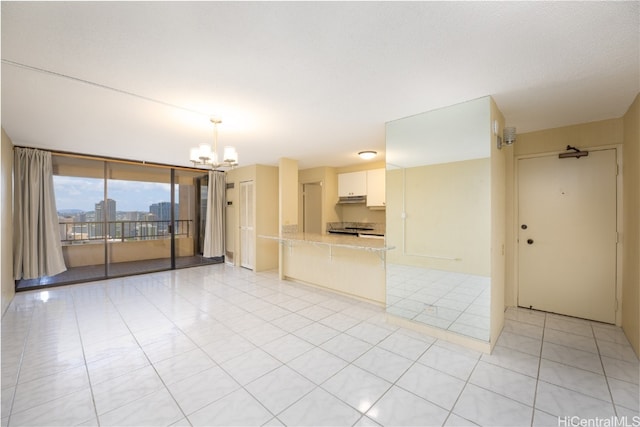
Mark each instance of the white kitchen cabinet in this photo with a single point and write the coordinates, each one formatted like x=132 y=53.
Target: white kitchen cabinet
x=352 y=184
x=376 y=193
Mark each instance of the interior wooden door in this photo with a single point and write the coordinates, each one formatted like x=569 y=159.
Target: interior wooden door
x=567 y=235
x=247 y=228
x=312 y=208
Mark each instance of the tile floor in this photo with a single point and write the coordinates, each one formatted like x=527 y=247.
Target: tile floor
x=454 y=301
x=217 y=345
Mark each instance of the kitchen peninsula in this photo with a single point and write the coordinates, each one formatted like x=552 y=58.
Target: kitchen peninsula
x=347 y=264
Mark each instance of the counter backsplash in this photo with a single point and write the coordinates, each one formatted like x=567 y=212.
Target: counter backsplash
x=292 y=228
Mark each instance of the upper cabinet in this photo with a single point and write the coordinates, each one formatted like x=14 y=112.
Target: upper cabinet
x=352 y=184
x=376 y=193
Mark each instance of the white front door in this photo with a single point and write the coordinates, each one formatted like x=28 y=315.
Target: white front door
x=247 y=230
x=567 y=235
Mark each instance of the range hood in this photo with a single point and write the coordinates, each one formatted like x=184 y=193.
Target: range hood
x=345 y=200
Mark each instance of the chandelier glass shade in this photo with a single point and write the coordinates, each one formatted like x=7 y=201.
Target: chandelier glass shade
x=207 y=155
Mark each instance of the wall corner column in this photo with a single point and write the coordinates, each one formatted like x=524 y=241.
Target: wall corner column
x=287 y=202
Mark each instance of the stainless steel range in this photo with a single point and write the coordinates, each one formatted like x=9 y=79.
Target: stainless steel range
x=356 y=229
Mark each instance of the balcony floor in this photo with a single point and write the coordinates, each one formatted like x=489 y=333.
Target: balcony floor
x=119 y=269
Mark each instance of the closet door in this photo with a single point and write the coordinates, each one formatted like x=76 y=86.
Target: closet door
x=247 y=226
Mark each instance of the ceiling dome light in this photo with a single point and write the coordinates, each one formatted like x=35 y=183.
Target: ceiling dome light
x=367 y=155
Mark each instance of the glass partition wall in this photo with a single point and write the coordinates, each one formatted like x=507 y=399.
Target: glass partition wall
x=118 y=219
x=439 y=218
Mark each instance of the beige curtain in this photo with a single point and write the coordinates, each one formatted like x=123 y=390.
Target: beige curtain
x=214 y=226
x=37 y=250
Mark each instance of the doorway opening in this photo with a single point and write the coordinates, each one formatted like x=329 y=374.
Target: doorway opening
x=312 y=207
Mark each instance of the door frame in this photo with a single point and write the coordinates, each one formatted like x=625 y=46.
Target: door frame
x=619 y=193
x=302 y=203
x=241 y=205
x=301 y=185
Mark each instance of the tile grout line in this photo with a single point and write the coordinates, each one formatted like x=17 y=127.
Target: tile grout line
x=285 y=364
x=464 y=387
x=575 y=367
x=84 y=357
x=319 y=386
x=17 y=379
x=219 y=365
x=142 y=349
x=241 y=386
x=394 y=383
x=606 y=378
x=535 y=392
x=315 y=346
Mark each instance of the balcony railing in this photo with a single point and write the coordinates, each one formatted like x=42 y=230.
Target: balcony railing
x=123 y=231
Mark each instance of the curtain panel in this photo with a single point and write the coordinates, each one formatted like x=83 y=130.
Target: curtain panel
x=214 y=225
x=37 y=250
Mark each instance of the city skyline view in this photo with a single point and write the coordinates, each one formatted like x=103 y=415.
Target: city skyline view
x=84 y=193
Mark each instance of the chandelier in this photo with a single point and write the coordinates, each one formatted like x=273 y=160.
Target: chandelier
x=206 y=155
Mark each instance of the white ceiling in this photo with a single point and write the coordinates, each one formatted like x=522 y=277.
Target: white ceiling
x=313 y=81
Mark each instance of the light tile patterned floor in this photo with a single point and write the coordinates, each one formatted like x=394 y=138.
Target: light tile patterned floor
x=447 y=300
x=217 y=345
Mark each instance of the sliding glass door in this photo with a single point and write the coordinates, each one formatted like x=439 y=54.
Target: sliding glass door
x=79 y=187
x=138 y=217
x=120 y=218
x=190 y=189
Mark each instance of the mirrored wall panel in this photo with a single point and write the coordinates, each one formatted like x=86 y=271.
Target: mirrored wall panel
x=439 y=218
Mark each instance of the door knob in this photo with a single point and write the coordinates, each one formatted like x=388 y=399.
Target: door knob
x=523 y=226
x=530 y=241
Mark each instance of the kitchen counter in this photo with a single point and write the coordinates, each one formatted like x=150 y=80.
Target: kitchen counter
x=346 y=264
x=336 y=240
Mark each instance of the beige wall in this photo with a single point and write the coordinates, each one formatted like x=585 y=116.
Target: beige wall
x=6 y=227
x=498 y=226
x=328 y=177
x=631 y=226
x=331 y=212
x=354 y=272
x=288 y=197
x=461 y=226
x=595 y=134
x=360 y=213
x=266 y=217
x=266 y=197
